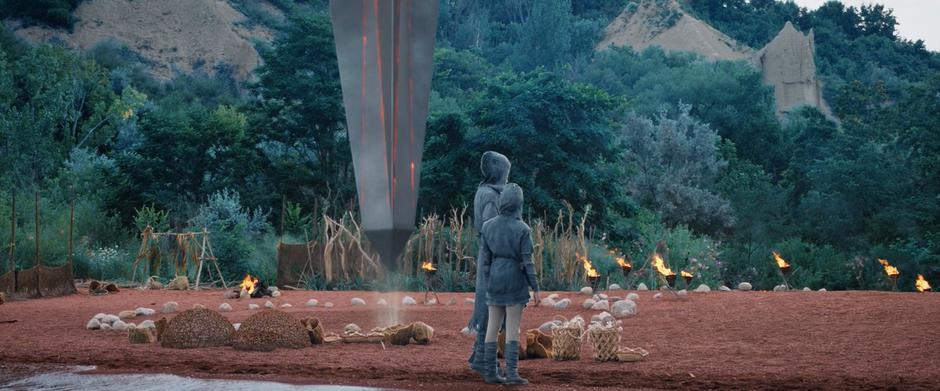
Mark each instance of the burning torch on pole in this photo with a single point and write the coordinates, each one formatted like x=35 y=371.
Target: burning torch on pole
x=891 y=272
x=593 y=275
x=783 y=267
x=429 y=272
x=665 y=274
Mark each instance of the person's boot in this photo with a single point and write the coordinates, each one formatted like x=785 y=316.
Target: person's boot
x=477 y=362
x=512 y=364
x=491 y=374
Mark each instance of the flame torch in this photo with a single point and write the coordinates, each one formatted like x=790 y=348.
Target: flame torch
x=891 y=272
x=784 y=268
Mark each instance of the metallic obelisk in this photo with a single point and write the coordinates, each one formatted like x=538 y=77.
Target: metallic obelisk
x=385 y=51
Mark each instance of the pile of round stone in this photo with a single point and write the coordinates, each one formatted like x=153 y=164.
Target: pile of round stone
x=197 y=328
x=269 y=330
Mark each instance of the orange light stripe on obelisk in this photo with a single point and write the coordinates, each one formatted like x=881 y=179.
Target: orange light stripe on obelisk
x=362 y=103
x=378 y=59
x=395 y=42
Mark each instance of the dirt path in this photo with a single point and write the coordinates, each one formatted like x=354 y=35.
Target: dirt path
x=735 y=340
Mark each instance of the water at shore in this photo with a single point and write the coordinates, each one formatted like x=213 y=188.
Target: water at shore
x=72 y=378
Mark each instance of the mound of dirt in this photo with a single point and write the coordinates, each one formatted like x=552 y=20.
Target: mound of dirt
x=197 y=328
x=269 y=330
x=173 y=34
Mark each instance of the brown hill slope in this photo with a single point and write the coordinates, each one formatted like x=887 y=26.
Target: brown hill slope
x=172 y=34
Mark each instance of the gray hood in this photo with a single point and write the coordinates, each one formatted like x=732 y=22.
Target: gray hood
x=495 y=168
x=510 y=201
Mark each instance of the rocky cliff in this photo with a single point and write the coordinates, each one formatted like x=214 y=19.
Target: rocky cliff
x=171 y=34
x=787 y=62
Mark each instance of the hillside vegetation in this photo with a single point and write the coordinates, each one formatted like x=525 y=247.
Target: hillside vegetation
x=652 y=146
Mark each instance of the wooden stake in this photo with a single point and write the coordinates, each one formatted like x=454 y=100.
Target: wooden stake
x=71 y=223
x=38 y=259
x=13 y=232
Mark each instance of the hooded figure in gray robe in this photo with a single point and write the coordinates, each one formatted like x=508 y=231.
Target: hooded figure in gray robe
x=495 y=168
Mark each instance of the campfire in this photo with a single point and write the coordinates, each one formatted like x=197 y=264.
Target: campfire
x=664 y=271
x=921 y=284
x=254 y=287
x=890 y=271
x=592 y=273
x=687 y=277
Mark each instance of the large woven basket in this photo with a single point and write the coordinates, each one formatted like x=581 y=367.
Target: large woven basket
x=566 y=341
x=606 y=341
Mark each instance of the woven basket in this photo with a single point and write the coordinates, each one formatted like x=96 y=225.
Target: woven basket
x=566 y=341
x=606 y=342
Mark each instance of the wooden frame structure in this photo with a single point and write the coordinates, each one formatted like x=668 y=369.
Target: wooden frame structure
x=199 y=240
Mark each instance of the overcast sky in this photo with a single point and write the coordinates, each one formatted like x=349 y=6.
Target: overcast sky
x=918 y=19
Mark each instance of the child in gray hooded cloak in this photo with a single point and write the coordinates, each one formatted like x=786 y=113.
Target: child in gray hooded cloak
x=495 y=168
x=507 y=268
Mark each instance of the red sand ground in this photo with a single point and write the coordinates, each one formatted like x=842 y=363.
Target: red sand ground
x=726 y=340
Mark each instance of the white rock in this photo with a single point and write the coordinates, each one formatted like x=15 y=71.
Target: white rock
x=169 y=307
x=632 y=296
x=432 y=301
x=119 y=326
x=352 y=328
x=276 y=294
x=587 y=290
x=683 y=293
x=236 y=325
x=780 y=288
x=312 y=303
x=602 y=317
x=274 y=289
x=724 y=288
x=408 y=300
x=225 y=307
x=147 y=324
x=658 y=295
x=126 y=314
x=230 y=295
x=623 y=308
x=703 y=288
x=806 y=289
x=109 y=319
x=562 y=304
x=615 y=287
x=547 y=327
x=642 y=287
x=93 y=324
x=466 y=331
x=105 y=326
x=469 y=300
x=603 y=296
x=143 y=311
x=602 y=305
x=452 y=301
x=199 y=306
x=287 y=305
x=745 y=286
x=382 y=303
x=357 y=301
x=130 y=326
x=587 y=304
x=328 y=305
x=822 y=289
x=553 y=296
x=253 y=306
x=243 y=294
x=268 y=304
x=99 y=316
x=547 y=302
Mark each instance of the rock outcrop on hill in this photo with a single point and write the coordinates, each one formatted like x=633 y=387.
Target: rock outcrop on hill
x=663 y=23
x=172 y=35
x=787 y=62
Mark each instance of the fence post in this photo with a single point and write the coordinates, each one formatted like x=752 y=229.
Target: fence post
x=71 y=223
x=38 y=259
